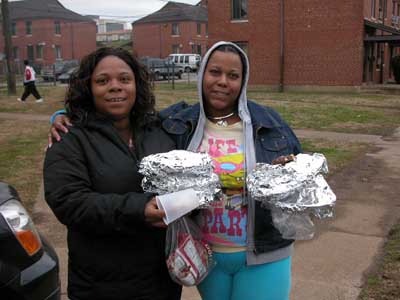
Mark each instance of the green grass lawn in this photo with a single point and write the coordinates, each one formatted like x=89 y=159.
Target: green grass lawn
x=340 y=112
x=23 y=142
x=21 y=156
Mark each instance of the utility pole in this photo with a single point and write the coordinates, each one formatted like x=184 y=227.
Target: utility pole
x=11 y=87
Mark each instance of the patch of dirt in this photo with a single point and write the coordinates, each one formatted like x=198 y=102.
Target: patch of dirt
x=363 y=128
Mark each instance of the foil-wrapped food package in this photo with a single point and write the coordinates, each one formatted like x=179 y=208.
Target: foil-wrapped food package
x=176 y=162
x=293 y=192
x=178 y=170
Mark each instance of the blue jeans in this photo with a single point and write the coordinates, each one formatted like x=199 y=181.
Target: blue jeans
x=231 y=279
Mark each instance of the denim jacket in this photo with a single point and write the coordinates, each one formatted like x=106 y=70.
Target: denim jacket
x=272 y=138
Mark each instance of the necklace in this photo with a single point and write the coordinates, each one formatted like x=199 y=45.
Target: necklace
x=130 y=143
x=221 y=120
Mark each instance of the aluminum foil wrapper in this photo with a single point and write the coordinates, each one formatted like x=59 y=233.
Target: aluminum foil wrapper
x=293 y=192
x=176 y=162
x=179 y=170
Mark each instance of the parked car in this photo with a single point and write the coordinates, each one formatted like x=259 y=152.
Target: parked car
x=64 y=77
x=162 y=68
x=189 y=62
x=58 y=68
x=29 y=267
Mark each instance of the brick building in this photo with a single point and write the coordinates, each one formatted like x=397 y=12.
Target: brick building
x=44 y=31
x=109 y=30
x=295 y=44
x=382 y=39
x=175 y=28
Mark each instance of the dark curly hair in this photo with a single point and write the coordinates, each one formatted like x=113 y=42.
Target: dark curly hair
x=79 y=100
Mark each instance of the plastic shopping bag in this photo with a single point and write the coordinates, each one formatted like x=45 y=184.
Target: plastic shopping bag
x=189 y=257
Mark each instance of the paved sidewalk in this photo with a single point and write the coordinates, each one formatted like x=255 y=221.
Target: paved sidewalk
x=331 y=266
x=24 y=116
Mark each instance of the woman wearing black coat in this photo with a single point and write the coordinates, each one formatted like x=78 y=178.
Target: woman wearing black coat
x=115 y=231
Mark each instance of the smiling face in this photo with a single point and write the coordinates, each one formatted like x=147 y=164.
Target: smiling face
x=113 y=87
x=222 y=82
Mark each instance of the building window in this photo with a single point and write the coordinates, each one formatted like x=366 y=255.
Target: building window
x=385 y=8
x=196 y=49
x=13 y=29
x=57 y=27
x=57 y=51
x=28 y=25
x=198 y=28
x=244 y=46
x=175 y=29
x=39 y=51
x=373 y=8
x=382 y=9
x=239 y=9
x=29 y=51
x=15 y=52
x=175 y=48
x=395 y=13
x=114 y=27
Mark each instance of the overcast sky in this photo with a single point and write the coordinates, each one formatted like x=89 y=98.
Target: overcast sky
x=128 y=10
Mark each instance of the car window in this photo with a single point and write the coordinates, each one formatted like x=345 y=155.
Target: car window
x=186 y=59
x=181 y=59
x=70 y=71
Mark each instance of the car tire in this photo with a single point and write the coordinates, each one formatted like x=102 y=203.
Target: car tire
x=188 y=70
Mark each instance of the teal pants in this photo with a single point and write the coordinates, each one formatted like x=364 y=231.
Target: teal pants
x=231 y=279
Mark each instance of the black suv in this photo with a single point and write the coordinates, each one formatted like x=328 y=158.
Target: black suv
x=51 y=73
x=29 y=267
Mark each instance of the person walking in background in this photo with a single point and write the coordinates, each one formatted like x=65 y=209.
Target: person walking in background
x=29 y=84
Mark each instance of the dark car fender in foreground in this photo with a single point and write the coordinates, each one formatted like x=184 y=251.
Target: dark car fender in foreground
x=29 y=267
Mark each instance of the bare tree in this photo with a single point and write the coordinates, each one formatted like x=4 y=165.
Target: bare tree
x=11 y=86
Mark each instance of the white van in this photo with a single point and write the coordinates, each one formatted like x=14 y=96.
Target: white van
x=189 y=62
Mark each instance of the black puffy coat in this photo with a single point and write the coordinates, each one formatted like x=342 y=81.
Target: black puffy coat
x=93 y=186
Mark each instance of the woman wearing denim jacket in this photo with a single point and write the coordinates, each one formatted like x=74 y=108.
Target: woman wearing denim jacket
x=253 y=260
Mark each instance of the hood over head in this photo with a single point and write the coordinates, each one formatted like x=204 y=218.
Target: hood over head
x=243 y=110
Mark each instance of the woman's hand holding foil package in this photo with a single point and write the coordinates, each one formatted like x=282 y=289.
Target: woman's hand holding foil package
x=184 y=181
x=284 y=159
x=153 y=215
x=180 y=170
x=292 y=191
